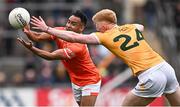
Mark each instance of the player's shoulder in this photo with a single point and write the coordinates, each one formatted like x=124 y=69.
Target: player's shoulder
x=126 y=26
x=132 y=26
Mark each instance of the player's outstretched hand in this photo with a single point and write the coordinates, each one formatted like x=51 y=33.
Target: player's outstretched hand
x=39 y=24
x=26 y=44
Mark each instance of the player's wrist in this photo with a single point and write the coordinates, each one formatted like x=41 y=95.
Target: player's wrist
x=47 y=29
x=31 y=47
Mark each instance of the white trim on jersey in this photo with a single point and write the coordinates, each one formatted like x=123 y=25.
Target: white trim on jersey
x=67 y=53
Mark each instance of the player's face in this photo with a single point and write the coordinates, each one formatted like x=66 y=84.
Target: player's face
x=74 y=24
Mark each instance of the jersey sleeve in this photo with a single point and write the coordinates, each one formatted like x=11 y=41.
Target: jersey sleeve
x=73 y=50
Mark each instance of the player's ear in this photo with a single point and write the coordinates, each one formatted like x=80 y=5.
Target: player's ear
x=103 y=27
x=82 y=28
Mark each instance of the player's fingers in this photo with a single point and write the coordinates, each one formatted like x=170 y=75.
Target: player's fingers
x=19 y=40
x=35 y=24
x=23 y=41
x=41 y=18
x=34 y=21
x=26 y=43
x=32 y=18
x=35 y=18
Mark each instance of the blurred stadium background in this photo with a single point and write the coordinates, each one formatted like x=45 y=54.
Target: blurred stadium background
x=27 y=80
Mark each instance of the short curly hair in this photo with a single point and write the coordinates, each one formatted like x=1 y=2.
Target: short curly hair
x=105 y=15
x=81 y=15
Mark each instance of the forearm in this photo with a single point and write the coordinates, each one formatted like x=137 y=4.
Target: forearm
x=69 y=36
x=37 y=37
x=33 y=36
x=73 y=37
x=65 y=35
x=43 y=54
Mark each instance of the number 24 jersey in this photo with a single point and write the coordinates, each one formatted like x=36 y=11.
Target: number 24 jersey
x=128 y=43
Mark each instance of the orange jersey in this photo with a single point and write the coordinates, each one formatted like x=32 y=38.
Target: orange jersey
x=80 y=67
x=127 y=43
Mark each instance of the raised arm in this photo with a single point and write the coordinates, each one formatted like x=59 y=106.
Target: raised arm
x=74 y=37
x=55 y=55
x=35 y=36
x=65 y=35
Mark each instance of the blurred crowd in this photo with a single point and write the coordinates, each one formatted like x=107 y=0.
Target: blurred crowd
x=19 y=67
